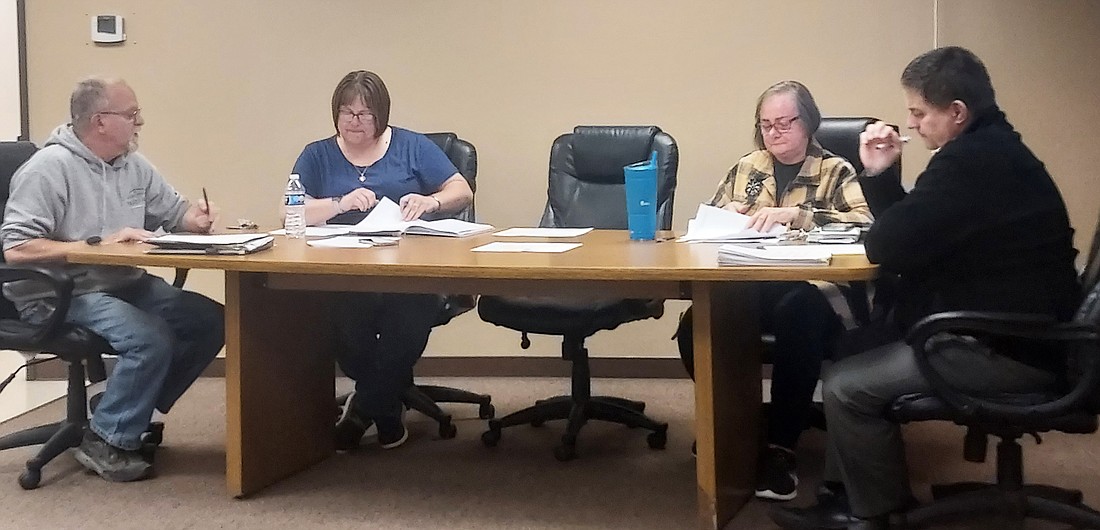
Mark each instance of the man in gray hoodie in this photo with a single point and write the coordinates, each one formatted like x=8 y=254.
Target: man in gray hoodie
x=85 y=186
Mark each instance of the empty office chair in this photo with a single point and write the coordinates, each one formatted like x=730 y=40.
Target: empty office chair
x=426 y=398
x=586 y=189
x=1009 y=417
x=75 y=345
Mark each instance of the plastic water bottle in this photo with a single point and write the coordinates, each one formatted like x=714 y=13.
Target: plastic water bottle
x=294 y=199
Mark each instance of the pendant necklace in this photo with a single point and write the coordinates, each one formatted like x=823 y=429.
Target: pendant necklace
x=362 y=172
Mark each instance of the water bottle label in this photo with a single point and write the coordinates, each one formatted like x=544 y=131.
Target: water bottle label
x=294 y=200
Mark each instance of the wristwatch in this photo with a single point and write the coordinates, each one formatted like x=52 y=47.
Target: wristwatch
x=94 y=240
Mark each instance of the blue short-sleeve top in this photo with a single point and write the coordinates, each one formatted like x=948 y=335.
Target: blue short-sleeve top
x=412 y=164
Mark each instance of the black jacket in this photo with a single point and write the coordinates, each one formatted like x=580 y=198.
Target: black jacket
x=984 y=228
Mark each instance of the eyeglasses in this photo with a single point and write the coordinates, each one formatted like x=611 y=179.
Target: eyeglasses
x=781 y=125
x=130 y=115
x=348 y=115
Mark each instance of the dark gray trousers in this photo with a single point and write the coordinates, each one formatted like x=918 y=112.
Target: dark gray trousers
x=865 y=450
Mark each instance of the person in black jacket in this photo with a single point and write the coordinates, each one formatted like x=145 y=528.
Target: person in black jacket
x=984 y=228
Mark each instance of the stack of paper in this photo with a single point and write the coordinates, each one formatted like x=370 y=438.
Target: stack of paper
x=781 y=256
x=845 y=236
x=385 y=219
x=716 y=225
x=210 y=243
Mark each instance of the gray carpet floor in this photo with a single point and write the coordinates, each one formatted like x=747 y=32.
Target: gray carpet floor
x=618 y=482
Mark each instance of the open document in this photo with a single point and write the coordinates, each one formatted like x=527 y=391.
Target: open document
x=717 y=225
x=385 y=219
x=209 y=243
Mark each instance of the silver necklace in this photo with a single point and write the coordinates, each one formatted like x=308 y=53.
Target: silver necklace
x=362 y=172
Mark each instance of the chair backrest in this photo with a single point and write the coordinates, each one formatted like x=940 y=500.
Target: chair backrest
x=840 y=136
x=464 y=156
x=586 y=175
x=12 y=155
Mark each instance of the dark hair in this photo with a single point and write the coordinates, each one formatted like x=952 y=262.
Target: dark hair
x=947 y=74
x=807 y=108
x=369 y=87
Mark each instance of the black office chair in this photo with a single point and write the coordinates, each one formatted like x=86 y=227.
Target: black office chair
x=75 y=345
x=840 y=136
x=586 y=190
x=1072 y=409
x=426 y=398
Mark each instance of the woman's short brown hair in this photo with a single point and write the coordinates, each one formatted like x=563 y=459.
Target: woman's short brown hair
x=367 y=86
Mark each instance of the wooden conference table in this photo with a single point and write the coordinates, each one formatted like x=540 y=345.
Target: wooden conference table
x=279 y=384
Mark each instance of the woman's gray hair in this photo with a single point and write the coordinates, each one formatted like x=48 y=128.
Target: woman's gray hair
x=89 y=97
x=807 y=108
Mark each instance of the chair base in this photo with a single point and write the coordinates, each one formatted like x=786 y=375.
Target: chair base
x=578 y=411
x=954 y=502
x=425 y=399
x=55 y=438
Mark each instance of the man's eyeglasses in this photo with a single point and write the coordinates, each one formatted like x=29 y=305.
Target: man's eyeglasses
x=130 y=115
x=348 y=115
x=781 y=125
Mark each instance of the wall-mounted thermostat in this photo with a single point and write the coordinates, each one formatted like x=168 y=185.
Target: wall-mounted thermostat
x=107 y=28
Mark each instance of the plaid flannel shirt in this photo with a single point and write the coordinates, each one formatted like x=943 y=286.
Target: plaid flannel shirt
x=825 y=190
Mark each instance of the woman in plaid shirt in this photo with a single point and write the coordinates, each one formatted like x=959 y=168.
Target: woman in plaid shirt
x=789 y=180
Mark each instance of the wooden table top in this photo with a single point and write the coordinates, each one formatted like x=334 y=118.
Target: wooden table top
x=604 y=255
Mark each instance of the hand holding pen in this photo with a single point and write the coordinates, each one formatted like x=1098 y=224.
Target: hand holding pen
x=879 y=147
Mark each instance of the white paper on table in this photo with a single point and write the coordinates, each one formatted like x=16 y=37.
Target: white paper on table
x=318 y=231
x=543 y=232
x=339 y=242
x=715 y=224
x=551 y=248
x=852 y=248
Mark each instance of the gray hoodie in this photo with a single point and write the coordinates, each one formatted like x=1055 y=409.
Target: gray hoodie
x=67 y=193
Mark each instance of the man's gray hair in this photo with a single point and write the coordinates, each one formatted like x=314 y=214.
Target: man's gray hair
x=89 y=97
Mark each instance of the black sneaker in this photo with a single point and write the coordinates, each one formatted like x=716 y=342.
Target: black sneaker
x=391 y=431
x=110 y=462
x=350 y=427
x=777 y=479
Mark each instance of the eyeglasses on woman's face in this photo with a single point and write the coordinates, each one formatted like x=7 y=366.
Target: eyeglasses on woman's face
x=781 y=125
x=348 y=115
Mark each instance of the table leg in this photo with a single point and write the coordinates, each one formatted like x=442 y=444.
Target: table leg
x=727 y=397
x=279 y=382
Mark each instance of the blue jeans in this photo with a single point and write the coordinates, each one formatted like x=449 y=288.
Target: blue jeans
x=164 y=338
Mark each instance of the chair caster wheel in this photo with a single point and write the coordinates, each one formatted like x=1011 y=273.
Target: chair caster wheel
x=657 y=439
x=486 y=411
x=29 y=479
x=155 y=435
x=491 y=437
x=565 y=453
x=447 y=430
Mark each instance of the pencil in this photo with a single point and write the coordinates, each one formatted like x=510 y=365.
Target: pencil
x=205 y=200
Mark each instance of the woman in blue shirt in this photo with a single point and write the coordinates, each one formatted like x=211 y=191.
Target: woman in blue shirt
x=379 y=336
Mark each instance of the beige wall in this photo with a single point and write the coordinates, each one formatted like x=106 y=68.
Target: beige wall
x=231 y=91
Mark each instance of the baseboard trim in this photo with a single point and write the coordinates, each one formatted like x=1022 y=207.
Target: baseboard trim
x=464 y=366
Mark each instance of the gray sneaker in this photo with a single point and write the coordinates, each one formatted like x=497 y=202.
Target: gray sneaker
x=110 y=462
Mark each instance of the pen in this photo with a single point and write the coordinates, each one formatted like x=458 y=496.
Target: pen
x=206 y=201
x=902 y=139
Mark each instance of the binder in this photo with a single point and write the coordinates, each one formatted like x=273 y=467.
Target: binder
x=213 y=244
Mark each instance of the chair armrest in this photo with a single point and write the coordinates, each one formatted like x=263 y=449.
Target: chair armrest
x=955 y=329
x=59 y=282
x=181 y=278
